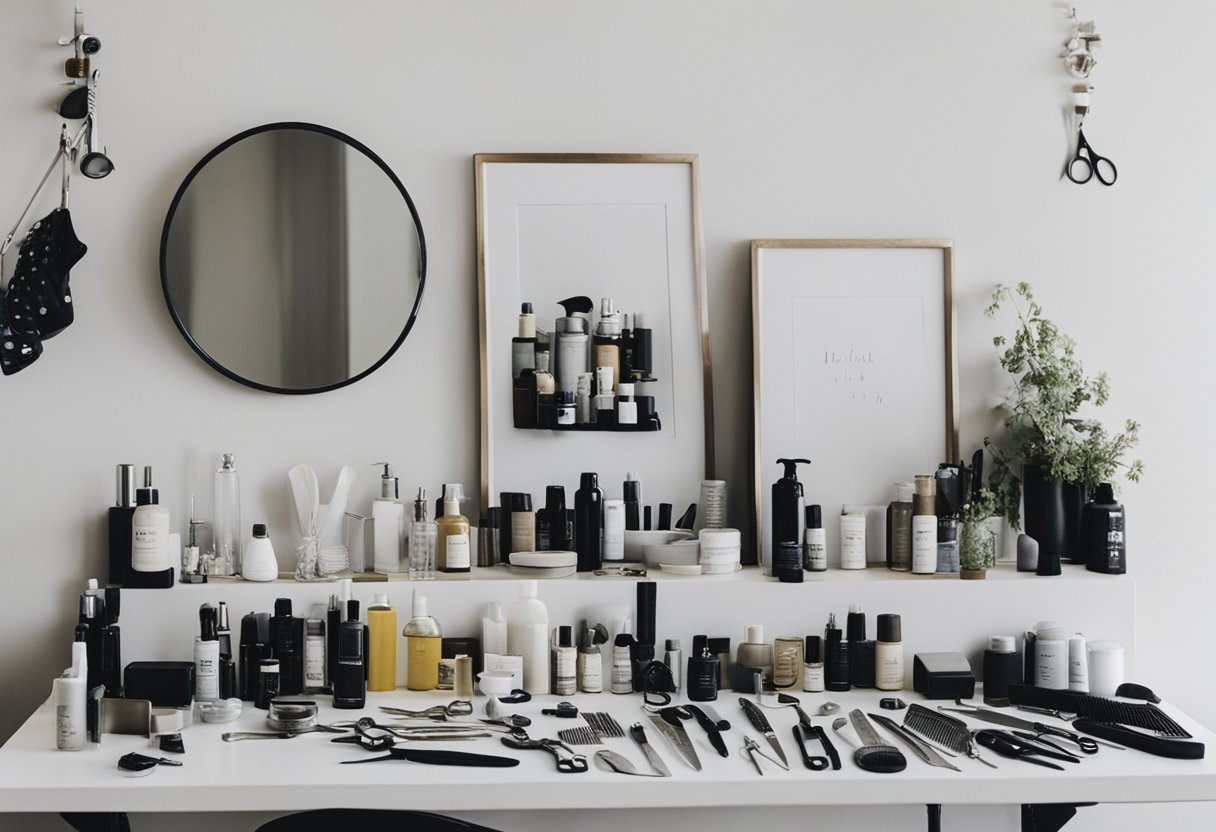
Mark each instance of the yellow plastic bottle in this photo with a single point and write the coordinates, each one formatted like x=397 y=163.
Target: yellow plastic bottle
x=381 y=645
x=423 y=642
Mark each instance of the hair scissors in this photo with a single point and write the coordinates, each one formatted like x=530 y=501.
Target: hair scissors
x=1082 y=168
x=439 y=713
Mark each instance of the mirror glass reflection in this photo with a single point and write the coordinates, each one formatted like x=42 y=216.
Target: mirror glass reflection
x=293 y=260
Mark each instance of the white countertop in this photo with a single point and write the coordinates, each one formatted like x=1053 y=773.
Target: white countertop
x=304 y=772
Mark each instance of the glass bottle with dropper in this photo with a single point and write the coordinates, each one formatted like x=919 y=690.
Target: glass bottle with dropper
x=423 y=540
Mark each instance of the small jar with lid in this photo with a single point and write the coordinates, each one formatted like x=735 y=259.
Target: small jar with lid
x=268 y=683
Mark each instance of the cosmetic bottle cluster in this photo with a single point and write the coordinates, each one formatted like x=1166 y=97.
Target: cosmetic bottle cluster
x=582 y=378
x=922 y=527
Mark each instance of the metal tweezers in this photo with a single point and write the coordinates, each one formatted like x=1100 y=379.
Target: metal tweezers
x=753 y=750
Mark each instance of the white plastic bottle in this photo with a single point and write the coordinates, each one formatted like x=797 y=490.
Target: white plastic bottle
x=493 y=630
x=259 y=562
x=853 y=541
x=528 y=636
x=388 y=523
x=207 y=655
x=149 y=529
x=68 y=695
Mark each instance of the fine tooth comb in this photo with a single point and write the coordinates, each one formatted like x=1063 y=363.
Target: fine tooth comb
x=603 y=724
x=944 y=730
x=582 y=735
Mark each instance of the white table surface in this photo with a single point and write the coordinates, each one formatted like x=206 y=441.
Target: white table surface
x=304 y=772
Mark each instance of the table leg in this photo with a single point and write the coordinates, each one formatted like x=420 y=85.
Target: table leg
x=1048 y=817
x=97 y=821
x=935 y=817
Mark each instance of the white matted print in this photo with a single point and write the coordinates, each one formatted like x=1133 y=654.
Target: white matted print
x=854 y=370
x=625 y=226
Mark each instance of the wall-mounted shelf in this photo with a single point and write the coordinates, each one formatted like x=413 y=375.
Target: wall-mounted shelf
x=938 y=614
x=748 y=574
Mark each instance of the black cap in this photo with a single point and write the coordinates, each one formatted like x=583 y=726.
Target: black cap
x=633 y=491
x=352 y=610
x=718 y=645
x=493 y=517
x=814 y=650
x=1104 y=496
x=890 y=629
x=282 y=607
x=856 y=624
x=555 y=497
x=565 y=636
x=700 y=644
x=623 y=639
x=259 y=529
x=249 y=629
x=589 y=481
x=525 y=308
x=814 y=517
x=521 y=502
x=208 y=620
x=113 y=604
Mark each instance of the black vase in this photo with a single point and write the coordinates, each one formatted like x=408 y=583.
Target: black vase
x=1043 y=514
x=1073 y=497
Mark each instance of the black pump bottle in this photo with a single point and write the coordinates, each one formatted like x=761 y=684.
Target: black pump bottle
x=789 y=515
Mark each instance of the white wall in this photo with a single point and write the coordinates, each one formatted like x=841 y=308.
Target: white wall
x=815 y=119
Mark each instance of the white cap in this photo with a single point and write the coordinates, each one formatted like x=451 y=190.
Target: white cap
x=1002 y=644
x=419 y=605
x=528 y=589
x=380 y=599
x=92 y=583
x=453 y=495
x=754 y=634
x=494 y=613
x=904 y=491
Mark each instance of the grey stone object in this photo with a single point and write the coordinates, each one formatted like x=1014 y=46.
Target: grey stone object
x=1028 y=553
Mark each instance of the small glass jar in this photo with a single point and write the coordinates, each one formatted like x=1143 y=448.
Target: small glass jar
x=787 y=662
x=268 y=683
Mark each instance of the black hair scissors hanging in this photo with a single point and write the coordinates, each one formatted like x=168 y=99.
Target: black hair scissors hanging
x=1086 y=164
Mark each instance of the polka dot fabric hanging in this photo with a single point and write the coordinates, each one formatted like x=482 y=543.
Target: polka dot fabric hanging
x=38 y=304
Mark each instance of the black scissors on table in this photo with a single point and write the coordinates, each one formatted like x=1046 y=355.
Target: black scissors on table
x=1082 y=168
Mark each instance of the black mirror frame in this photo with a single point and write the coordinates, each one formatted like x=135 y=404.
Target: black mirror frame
x=177 y=198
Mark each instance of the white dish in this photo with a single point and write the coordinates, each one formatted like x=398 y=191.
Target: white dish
x=542 y=572
x=681 y=568
x=544 y=560
x=636 y=541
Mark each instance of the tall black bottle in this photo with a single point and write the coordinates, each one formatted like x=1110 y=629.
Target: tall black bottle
x=120 y=515
x=553 y=530
x=287 y=642
x=1103 y=533
x=589 y=523
x=788 y=509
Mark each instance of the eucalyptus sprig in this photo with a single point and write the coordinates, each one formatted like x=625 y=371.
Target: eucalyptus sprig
x=1042 y=425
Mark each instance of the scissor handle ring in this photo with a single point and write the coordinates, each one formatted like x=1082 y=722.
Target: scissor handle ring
x=1085 y=164
x=1099 y=164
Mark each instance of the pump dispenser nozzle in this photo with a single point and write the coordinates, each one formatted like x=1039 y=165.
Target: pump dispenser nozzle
x=791 y=466
x=388 y=483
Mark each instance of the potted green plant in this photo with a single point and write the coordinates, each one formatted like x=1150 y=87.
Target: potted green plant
x=977 y=538
x=1051 y=455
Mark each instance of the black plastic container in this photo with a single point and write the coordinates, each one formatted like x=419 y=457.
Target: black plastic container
x=287 y=645
x=1103 y=533
x=788 y=509
x=589 y=523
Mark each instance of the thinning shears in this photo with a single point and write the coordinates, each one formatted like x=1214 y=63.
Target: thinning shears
x=1086 y=164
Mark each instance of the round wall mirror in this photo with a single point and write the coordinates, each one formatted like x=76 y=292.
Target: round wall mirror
x=293 y=259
